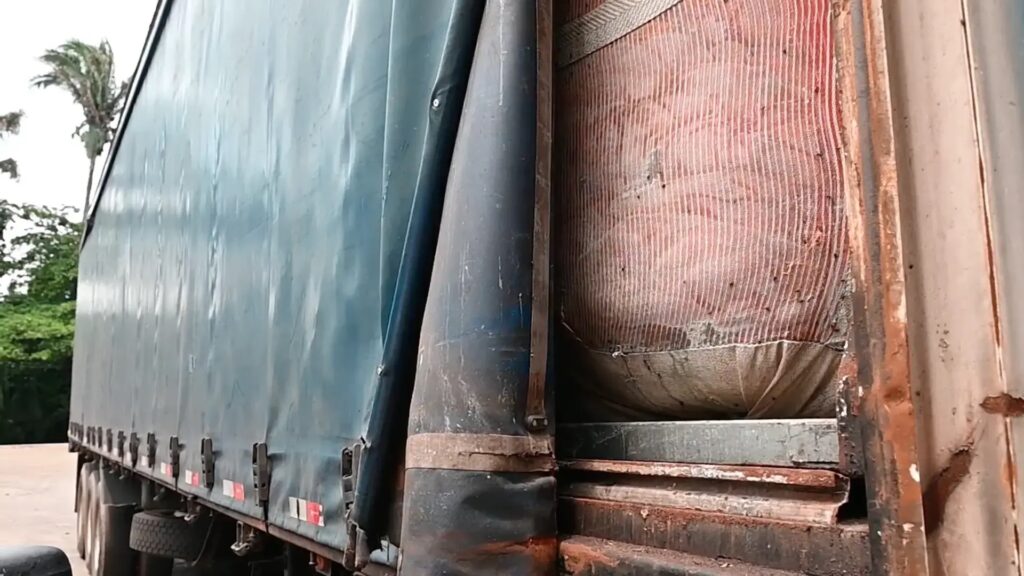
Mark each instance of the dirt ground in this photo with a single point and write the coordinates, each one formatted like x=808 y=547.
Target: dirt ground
x=37 y=496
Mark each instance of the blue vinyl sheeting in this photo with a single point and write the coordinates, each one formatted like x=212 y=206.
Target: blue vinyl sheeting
x=246 y=252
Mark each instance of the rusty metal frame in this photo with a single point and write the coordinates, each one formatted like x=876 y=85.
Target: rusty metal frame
x=932 y=430
x=835 y=550
x=583 y=556
x=810 y=478
x=848 y=416
x=806 y=443
x=883 y=397
x=931 y=126
x=805 y=497
x=717 y=511
x=993 y=30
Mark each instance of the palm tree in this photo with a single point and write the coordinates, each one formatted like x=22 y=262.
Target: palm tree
x=87 y=73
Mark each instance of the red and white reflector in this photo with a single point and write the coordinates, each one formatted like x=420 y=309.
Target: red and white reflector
x=166 y=469
x=306 y=511
x=192 y=478
x=234 y=490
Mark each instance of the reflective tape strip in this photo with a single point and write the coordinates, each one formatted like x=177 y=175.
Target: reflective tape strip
x=233 y=490
x=165 y=469
x=603 y=25
x=145 y=461
x=192 y=478
x=306 y=511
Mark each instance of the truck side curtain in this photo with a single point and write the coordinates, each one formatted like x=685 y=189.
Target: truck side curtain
x=432 y=70
x=479 y=485
x=254 y=277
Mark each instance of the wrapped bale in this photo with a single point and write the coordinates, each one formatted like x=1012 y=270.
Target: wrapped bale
x=702 y=258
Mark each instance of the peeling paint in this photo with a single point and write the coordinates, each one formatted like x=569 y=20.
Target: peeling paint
x=944 y=484
x=1003 y=404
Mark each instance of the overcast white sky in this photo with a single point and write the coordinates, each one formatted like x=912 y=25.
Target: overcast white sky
x=52 y=164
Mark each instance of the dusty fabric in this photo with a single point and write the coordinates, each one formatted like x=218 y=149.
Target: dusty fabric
x=779 y=379
x=701 y=234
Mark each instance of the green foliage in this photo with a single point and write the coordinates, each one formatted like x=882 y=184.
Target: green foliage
x=36 y=332
x=10 y=123
x=39 y=263
x=34 y=402
x=38 y=269
x=39 y=257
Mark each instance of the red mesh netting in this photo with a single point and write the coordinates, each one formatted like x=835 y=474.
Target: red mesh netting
x=700 y=185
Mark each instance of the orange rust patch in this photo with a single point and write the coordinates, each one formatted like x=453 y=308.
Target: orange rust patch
x=544 y=552
x=759 y=474
x=1004 y=405
x=579 y=558
x=942 y=486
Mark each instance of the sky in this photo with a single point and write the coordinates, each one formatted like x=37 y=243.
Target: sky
x=52 y=163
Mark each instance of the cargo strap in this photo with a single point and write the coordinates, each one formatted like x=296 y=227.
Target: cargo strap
x=536 y=417
x=480 y=452
x=604 y=25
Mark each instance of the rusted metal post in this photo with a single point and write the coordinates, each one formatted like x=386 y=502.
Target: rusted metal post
x=935 y=73
x=888 y=426
x=994 y=32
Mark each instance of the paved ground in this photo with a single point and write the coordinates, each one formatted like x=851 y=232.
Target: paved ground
x=37 y=496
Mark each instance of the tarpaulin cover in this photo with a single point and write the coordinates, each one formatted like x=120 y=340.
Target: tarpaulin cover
x=245 y=255
x=480 y=487
x=701 y=223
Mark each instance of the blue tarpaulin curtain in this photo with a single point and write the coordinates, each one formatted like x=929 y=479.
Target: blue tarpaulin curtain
x=259 y=255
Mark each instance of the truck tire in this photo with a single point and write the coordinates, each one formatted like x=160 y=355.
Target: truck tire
x=88 y=509
x=82 y=507
x=165 y=535
x=109 y=554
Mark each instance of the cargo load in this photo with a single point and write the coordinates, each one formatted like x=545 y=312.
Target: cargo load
x=702 y=264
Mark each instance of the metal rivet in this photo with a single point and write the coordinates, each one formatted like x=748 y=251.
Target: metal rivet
x=436 y=103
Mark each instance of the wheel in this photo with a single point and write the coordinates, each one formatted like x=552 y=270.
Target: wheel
x=80 y=514
x=82 y=511
x=95 y=541
x=107 y=551
x=88 y=509
x=166 y=535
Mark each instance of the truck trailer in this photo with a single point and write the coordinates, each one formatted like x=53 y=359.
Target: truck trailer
x=539 y=287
